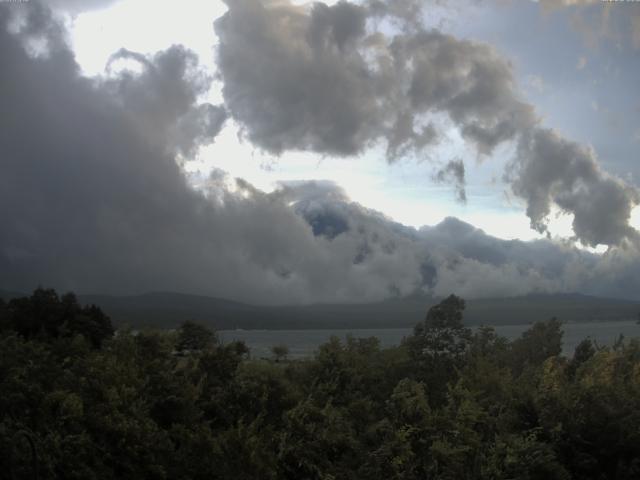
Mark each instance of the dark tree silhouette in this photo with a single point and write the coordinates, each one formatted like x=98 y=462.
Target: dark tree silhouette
x=438 y=344
x=45 y=315
x=194 y=337
x=280 y=352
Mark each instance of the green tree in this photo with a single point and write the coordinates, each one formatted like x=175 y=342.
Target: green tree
x=280 y=352
x=523 y=457
x=194 y=337
x=318 y=443
x=44 y=315
x=439 y=343
x=442 y=333
x=583 y=352
x=4 y=316
x=541 y=341
x=89 y=321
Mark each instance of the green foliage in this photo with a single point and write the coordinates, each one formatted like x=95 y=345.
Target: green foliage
x=194 y=337
x=439 y=344
x=280 y=352
x=5 y=323
x=541 y=341
x=447 y=404
x=46 y=315
x=584 y=351
x=523 y=457
x=442 y=334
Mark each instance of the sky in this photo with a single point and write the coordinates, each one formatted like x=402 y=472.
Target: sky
x=278 y=151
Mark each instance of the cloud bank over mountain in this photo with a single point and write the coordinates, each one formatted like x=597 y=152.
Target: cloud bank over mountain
x=338 y=79
x=92 y=197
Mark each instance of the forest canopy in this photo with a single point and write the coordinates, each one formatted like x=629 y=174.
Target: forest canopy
x=80 y=402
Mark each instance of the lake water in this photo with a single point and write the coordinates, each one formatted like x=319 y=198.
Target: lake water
x=304 y=343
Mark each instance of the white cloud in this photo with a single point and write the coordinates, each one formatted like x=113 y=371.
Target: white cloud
x=146 y=27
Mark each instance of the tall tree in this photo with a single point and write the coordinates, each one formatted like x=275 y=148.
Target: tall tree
x=439 y=343
x=194 y=337
x=541 y=341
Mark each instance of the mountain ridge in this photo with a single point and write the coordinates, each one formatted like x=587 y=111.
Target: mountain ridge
x=169 y=309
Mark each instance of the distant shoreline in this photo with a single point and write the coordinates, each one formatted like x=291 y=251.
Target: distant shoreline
x=304 y=342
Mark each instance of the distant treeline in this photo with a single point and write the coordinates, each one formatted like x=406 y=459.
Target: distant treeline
x=80 y=402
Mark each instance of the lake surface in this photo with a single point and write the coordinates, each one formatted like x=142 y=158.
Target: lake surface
x=304 y=343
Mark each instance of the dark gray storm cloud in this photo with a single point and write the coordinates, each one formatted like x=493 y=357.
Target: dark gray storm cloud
x=86 y=201
x=551 y=170
x=295 y=80
x=92 y=199
x=162 y=100
x=319 y=80
x=336 y=80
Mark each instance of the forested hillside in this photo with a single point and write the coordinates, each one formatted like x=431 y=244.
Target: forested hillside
x=79 y=402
